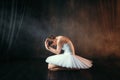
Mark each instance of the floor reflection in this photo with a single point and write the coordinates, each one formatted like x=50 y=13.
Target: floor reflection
x=69 y=75
x=37 y=70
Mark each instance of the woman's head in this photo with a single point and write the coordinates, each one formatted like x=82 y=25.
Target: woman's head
x=51 y=39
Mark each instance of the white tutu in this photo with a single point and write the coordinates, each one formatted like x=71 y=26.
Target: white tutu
x=68 y=60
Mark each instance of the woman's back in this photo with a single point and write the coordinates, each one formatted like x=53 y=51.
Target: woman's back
x=67 y=44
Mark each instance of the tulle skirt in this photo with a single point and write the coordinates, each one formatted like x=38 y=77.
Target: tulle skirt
x=69 y=61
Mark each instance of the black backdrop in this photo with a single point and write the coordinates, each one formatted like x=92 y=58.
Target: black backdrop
x=92 y=25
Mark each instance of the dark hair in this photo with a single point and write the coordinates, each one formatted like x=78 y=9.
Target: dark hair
x=52 y=37
x=49 y=42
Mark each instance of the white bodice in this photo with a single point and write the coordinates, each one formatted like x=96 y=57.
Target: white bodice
x=67 y=49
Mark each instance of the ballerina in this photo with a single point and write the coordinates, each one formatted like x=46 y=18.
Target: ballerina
x=66 y=60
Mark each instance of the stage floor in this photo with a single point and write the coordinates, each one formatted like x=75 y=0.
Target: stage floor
x=37 y=70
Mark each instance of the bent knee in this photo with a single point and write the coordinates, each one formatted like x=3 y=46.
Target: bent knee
x=50 y=66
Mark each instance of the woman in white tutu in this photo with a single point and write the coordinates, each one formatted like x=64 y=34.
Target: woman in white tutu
x=67 y=60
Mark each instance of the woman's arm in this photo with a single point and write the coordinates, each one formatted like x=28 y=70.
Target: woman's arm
x=57 y=50
x=46 y=44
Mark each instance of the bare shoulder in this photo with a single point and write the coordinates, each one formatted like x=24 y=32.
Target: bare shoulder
x=63 y=38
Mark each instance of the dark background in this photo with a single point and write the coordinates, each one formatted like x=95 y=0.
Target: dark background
x=92 y=25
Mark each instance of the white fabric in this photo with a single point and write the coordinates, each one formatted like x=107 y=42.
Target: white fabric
x=68 y=60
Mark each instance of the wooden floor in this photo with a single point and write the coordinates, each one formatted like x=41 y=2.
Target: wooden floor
x=37 y=70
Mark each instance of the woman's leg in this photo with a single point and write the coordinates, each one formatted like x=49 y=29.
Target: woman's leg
x=55 y=67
